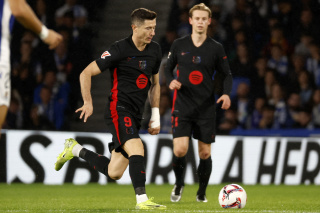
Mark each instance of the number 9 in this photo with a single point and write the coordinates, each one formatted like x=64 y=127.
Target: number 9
x=127 y=121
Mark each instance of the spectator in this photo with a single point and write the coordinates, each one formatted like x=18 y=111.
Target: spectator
x=278 y=61
x=24 y=83
x=316 y=107
x=242 y=66
x=313 y=63
x=59 y=99
x=277 y=38
x=256 y=115
x=14 y=117
x=242 y=104
x=79 y=12
x=277 y=100
x=260 y=69
x=307 y=25
x=63 y=62
x=305 y=120
x=216 y=31
x=228 y=122
x=184 y=27
x=167 y=40
x=269 y=81
x=42 y=14
x=293 y=108
x=38 y=121
x=305 y=87
x=267 y=119
x=302 y=47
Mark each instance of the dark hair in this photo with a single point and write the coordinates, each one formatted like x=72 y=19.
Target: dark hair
x=139 y=15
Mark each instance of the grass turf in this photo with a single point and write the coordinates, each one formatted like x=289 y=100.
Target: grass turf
x=120 y=198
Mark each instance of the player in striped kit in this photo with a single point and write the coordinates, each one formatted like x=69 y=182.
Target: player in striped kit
x=22 y=12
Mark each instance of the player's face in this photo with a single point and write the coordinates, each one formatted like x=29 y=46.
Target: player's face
x=146 y=31
x=200 y=21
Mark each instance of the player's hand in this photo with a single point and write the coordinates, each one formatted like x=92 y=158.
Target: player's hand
x=226 y=102
x=175 y=85
x=153 y=131
x=53 y=39
x=86 y=111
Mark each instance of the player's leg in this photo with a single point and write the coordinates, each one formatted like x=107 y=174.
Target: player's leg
x=181 y=129
x=204 y=131
x=117 y=165
x=114 y=168
x=5 y=92
x=3 y=114
x=125 y=130
x=180 y=149
x=204 y=170
x=135 y=150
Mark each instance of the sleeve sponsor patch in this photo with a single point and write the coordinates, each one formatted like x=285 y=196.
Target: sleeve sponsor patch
x=105 y=54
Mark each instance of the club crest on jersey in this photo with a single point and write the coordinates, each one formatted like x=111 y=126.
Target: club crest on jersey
x=105 y=54
x=142 y=65
x=196 y=59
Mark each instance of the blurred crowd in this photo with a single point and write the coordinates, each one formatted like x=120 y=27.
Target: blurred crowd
x=272 y=48
x=274 y=55
x=45 y=83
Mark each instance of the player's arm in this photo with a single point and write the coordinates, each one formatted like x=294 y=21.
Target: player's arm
x=154 y=98
x=25 y=15
x=223 y=66
x=85 y=83
x=171 y=64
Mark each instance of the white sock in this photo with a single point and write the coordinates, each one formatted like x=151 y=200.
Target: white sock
x=141 y=198
x=76 y=150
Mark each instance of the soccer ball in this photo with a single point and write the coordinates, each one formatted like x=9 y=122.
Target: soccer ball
x=232 y=196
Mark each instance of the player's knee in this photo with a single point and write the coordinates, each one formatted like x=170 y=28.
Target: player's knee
x=115 y=175
x=180 y=152
x=204 y=154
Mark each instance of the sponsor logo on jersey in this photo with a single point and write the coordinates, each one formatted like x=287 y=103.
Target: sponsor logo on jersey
x=196 y=59
x=105 y=54
x=142 y=81
x=142 y=65
x=184 y=53
x=169 y=54
x=225 y=57
x=195 y=77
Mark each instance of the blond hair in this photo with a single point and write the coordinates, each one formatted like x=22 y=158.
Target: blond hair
x=202 y=7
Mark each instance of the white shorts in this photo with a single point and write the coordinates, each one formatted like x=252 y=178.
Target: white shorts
x=5 y=85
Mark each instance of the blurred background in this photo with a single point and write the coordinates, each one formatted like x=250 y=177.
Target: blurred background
x=272 y=47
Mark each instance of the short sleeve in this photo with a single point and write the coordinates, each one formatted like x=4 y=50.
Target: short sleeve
x=108 y=58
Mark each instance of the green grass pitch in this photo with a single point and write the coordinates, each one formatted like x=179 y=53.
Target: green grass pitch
x=120 y=198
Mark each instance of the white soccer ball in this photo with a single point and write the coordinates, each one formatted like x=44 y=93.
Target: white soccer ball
x=232 y=196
